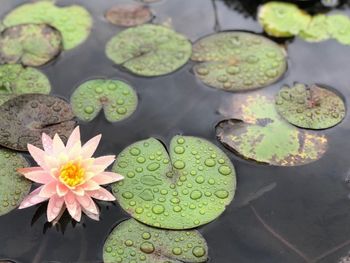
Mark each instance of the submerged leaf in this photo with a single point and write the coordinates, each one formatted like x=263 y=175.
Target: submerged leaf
x=149 y=50
x=23 y=119
x=189 y=189
x=117 y=99
x=238 y=61
x=142 y=243
x=129 y=14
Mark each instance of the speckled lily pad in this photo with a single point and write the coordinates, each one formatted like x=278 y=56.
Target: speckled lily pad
x=31 y=44
x=23 y=119
x=141 y=243
x=237 y=61
x=317 y=29
x=149 y=50
x=13 y=186
x=16 y=80
x=189 y=189
x=282 y=19
x=129 y=14
x=339 y=28
x=117 y=99
x=311 y=107
x=74 y=22
x=258 y=133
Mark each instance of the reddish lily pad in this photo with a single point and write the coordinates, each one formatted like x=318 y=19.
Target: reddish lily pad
x=236 y=61
x=118 y=100
x=129 y=14
x=23 y=119
x=311 y=107
x=31 y=44
x=141 y=243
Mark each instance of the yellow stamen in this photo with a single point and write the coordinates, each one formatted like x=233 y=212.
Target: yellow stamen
x=72 y=174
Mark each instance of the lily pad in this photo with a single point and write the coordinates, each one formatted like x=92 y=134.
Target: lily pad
x=258 y=133
x=189 y=189
x=149 y=50
x=311 y=107
x=31 y=44
x=339 y=28
x=23 y=119
x=129 y=14
x=237 y=61
x=118 y=100
x=13 y=186
x=74 y=22
x=131 y=241
x=280 y=19
x=317 y=30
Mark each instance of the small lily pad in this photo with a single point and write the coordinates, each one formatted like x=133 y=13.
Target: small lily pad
x=311 y=107
x=189 y=189
x=339 y=28
x=13 y=186
x=129 y=14
x=237 y=61
x=317 y=29
x=149 y=50
x=141 y=243
x=74 y=22
x=23 y=119
x=31 y=44
x=258 y=133
x=118 y=100
x=280 y=19
x=16 y=80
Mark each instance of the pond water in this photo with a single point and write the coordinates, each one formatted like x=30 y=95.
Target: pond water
x=280 y=214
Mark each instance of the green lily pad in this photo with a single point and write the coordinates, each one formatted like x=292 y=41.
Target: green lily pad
x=237 y=61
x=131 y=241
x=311 y=107
x=74 y=22
x=16 y=80
x=13 y=186
x=258 y=133
x=23 y=119
x=189 y=189
x=317 y=29
x=129 y=14
x=149 y=50
x=118 y=100
x=31 y=44
x=280 y=19
x=339 y=28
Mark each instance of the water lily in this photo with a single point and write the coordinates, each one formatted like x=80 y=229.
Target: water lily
x=70 y=176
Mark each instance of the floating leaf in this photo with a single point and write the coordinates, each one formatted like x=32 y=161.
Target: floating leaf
x=117 y=99
x=310 y=107
x=191 y=188
x=13 y=186
x=135 y=242
x=129 y=14
x=74 y=22
x=16 y=80
x=339 y=28
x=31 y=44
x=149 y=50
x=282 y=19
x=258 y=133
x=316 y=30
x=238 y=61
x=23 y=119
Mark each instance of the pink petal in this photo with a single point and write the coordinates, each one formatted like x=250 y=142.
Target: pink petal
x=90 y=186
x=61 y=189
x=54 y=207
x=79 y=191
x=58 y=145
x=92 y=215
x=73 y=138
x=47 y=143
x=48 y=190
x=71 y=203
x=77 y=215
x=41 y=177
x=88 y=204
x=32 y=199
x=101 y=194
x=106 y=160
x=74 y=151
x=38 y=155
x=107 y=178
x=26 y=170
x=90 y=147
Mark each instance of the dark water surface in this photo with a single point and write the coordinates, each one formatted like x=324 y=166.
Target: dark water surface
x=279 y=215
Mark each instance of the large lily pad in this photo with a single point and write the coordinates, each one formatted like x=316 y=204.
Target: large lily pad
x=189 y=189
x=317 y=29
x=117 y=99
x=31 y=44
x=13 y=186
x=149 y=50
x=258 y=133
x=311 y=107
x=238 y=61
x=129 y=14
x=16 y=80
x=74 y=22
x=23 y=119
x=338 y=26
x=131 y=241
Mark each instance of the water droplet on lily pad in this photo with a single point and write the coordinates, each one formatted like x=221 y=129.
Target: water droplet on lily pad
x=163 y=194
x=129 y=14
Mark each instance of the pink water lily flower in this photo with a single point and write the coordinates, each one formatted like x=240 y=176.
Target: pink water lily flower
x=70 y=176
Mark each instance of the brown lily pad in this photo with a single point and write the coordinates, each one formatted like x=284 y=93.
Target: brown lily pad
x=23 y=120
x=129 y=14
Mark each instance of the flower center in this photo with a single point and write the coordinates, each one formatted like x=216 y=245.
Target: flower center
x=72 y=174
